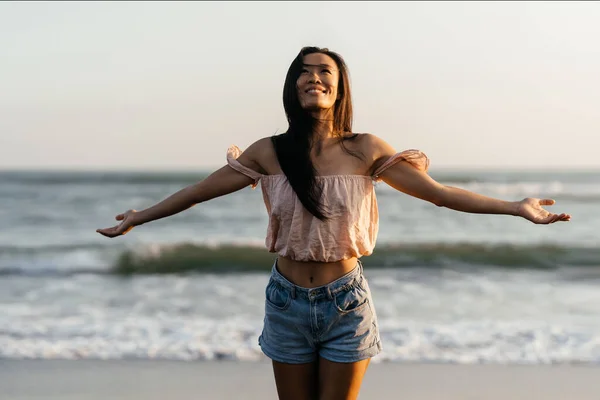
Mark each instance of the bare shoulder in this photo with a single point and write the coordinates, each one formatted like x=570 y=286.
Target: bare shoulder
x=375 y=149
x=259 y=155
x=259 y=147
x=372 y=143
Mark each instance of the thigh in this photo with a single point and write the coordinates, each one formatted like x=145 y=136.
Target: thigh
x=296 y=381
x=286 y=335
x=352 y=332
x=341 y=381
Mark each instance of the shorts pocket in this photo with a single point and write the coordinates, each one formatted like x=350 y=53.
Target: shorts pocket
x=277 y=296
x=352 y=299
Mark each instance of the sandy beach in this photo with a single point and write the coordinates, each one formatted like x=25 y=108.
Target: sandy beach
x=148 y=380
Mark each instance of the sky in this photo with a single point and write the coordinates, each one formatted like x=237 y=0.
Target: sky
x=157 y=85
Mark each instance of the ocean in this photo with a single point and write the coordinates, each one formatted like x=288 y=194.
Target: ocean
x=448 y=287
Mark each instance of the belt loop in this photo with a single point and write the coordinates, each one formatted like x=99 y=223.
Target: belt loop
x=293 y=292
x=329 y=295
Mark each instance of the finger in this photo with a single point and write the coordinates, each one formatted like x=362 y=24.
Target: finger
x=104 y=232
x=567 y=217
x=547 y=202
x=561 y=217
x=555 y=218
x=548 y=219
x=108 y=232
x=120 y=217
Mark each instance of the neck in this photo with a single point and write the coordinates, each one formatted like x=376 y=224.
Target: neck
x=323 y=129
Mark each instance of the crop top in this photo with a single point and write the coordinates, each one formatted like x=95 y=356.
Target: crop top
x=351 y=204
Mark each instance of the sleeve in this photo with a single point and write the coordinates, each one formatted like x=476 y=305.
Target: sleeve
x=233 y=152
x=416 y=158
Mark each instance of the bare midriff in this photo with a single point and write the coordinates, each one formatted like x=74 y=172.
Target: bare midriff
x=311 y=274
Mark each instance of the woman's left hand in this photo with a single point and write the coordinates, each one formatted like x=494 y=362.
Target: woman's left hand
x=531 y=209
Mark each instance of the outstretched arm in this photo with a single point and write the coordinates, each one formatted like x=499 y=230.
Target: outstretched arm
x=410 y=180
x=221 y=182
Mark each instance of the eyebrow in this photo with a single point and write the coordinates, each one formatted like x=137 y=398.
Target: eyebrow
x=319 y=65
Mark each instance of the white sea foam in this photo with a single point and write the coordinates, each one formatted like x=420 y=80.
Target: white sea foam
x=475 y=342
x=426 y=316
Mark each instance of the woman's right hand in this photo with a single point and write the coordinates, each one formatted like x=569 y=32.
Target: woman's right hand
x=127 y=223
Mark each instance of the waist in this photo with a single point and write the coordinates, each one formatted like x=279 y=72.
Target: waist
x=312 y=274
x=327 y=290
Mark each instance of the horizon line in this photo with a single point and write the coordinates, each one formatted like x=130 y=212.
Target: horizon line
x=590 y=168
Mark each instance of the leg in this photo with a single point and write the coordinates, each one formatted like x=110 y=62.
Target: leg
x=341 y=381
x=296 y=381
x=286 y=340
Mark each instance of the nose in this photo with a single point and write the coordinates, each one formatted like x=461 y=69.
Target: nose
x=314 y=78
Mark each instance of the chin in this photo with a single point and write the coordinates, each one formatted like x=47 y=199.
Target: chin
x=316 y=107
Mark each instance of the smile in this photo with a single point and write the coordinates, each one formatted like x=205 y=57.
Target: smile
x=315 y=90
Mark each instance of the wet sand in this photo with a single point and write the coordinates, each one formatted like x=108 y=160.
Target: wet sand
x=153 y=380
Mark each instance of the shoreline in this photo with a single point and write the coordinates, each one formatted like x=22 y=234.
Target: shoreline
x=217 y=380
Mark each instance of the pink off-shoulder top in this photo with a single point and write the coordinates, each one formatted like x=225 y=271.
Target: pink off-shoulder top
x=351 y=204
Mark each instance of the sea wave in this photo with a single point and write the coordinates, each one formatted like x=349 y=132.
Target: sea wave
x=225 y=258
x=513 y=342
x=51 y=248
x=100 y=177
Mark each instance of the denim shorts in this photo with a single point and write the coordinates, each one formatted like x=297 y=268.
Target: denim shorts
x=336 y=321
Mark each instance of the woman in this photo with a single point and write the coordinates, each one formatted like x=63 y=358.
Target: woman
x=320 y=326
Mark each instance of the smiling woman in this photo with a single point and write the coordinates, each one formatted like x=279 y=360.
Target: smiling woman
x=320 y=326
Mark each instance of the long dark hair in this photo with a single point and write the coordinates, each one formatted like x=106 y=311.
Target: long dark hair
x=293 y=147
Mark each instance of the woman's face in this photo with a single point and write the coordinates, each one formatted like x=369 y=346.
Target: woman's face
x=318 y=82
